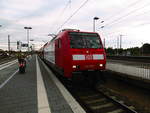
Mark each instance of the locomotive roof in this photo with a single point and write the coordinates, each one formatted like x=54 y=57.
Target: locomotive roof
x=67 y=30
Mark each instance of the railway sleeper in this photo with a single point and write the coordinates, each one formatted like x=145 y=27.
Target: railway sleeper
x=106 y=108
x=128 y=108
x=116 y=111
x=90 y=96
x=95 y=101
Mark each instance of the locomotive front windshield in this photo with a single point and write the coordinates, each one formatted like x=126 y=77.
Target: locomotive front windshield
x=84 y=40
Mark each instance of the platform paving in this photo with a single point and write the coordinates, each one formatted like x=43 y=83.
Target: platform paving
x=20 y=93
x=5 y=73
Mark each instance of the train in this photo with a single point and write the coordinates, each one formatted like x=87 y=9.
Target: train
x=74 y=54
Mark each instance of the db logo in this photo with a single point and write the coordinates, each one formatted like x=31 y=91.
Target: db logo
x=88 y=57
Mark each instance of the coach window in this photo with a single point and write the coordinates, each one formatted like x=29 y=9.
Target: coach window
x=59 y=43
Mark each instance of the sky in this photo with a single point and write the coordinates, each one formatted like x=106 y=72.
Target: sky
x=121 y=17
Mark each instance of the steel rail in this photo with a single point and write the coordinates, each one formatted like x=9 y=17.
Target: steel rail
x=123 y=106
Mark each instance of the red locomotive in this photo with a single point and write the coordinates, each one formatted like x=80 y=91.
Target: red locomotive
x=73 y=52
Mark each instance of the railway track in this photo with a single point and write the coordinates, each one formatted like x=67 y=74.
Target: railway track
x=5 y=60
x=96 y=100
x=99 y=101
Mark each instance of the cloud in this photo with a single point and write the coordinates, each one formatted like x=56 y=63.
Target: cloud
x=46 y=16
x=23 y=5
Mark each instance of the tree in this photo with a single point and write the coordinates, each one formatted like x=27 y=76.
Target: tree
x=1 y=50
x=135 y=51
x=110 y=51
x=145 y=49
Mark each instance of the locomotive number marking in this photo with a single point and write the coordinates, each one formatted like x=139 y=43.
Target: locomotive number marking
x=88 y=57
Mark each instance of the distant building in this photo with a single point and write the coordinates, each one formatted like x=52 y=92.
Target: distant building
x=128 y=53
x=1 y=50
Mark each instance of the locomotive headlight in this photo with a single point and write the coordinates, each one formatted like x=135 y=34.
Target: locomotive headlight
x=101 y=65
x=74 y=66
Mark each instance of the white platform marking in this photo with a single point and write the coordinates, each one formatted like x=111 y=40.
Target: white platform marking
x=43 y=105
x=4 y=83
x=7 y=64
x=76 y=108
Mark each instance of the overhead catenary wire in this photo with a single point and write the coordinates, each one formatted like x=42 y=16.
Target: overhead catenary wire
x=126 y=15
x=145 y=23
x=72 y=15
x=142 y=24
x=120 y=11
x=61 y=13
x=116 y=32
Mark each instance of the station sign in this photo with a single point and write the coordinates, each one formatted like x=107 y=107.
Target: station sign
x=24 y=45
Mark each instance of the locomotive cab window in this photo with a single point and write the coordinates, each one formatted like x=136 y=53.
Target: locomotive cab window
x=84 y=40
x=76 y=42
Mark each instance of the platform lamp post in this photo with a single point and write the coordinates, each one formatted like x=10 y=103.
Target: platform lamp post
x=104 y=37
x=28 y=28
x=0 y=25
x=142 y=49
x=31 y=40
x=94 y=19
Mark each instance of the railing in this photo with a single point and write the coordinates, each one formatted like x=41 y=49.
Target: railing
x=137 y=69
x=145 y=59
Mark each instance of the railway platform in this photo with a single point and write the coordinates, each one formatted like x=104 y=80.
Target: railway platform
x=135 y=69
x=36 y=91
x=137 y=73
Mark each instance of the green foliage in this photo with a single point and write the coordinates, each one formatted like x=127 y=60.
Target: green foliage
x=110 y=51
x=135 y=51
x=145 y=49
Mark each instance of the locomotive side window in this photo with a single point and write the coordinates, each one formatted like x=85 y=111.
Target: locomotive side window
x=59 y=43
x=84 y=40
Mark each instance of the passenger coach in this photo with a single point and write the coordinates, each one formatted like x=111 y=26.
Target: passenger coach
x=73 y=52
